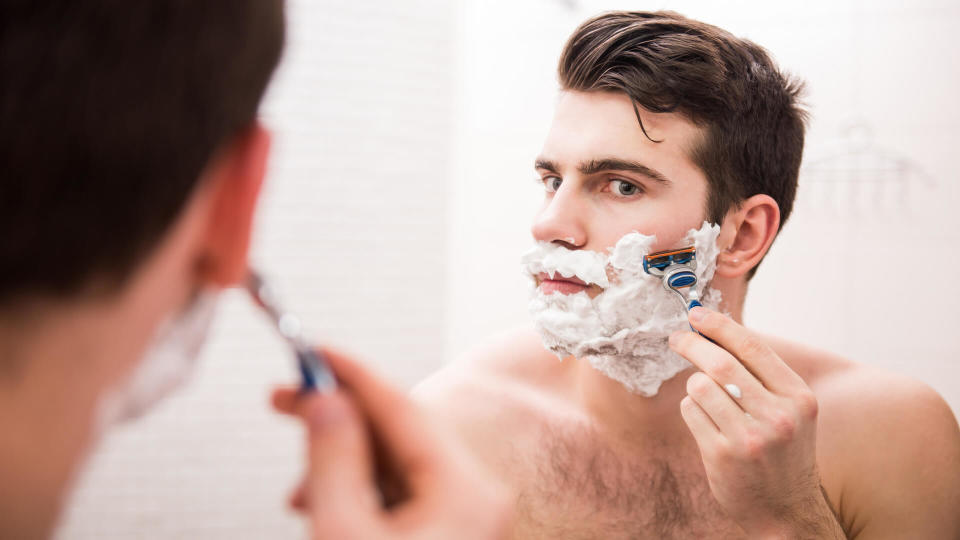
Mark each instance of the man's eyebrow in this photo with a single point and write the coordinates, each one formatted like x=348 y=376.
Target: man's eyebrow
x=546 y=164
x=615 y=164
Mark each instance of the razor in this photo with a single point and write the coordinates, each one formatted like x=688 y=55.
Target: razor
x=676 y=270
x=315 y=373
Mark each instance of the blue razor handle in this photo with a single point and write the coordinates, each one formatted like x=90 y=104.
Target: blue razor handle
x=691 y=305
x=679 y=280
x=696 y=303
x=314 y=371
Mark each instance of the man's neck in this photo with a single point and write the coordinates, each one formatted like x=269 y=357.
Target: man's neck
x=55 y=367
x=626 y=415
x=39 y=452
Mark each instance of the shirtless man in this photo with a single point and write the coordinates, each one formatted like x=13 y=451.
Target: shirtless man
x=664 y=123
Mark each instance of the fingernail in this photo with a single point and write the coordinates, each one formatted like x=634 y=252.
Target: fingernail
x=697 y=314
x=327 y=411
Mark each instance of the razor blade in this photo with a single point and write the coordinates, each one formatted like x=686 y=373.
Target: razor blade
x=657 y=264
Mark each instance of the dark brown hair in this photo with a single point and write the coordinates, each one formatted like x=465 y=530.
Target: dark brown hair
x=109 y=111
x=753 y=124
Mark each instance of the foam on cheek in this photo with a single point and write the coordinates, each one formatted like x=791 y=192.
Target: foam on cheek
x=623 y=331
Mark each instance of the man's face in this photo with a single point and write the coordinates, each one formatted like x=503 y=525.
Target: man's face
x=604 y=178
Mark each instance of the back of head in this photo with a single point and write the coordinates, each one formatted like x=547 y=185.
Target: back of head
x=109 y=112
x=749 y=111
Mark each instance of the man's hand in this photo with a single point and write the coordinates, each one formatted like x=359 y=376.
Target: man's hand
x=368 y=445
x=757 y=438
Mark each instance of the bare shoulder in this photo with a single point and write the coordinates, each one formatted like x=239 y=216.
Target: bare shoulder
x=500 y=388
x=889 y=443
x=513 y=356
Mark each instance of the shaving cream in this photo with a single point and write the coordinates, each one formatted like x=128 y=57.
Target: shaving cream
x=167 y=363
x=623 y=331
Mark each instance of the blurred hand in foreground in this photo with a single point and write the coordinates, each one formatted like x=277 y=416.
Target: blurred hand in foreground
x=378 y=470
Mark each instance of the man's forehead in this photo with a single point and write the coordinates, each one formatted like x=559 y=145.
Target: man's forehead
x=613 y=109
x=587 y=125
x=618 y=110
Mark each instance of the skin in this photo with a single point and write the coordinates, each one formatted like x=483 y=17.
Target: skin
x=48 y=407
x=800 y=453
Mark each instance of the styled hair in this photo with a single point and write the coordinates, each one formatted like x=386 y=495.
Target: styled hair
x=109 y=112
x=749 y=111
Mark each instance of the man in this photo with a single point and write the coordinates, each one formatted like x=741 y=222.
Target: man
x=130 y=164
x=664 y=123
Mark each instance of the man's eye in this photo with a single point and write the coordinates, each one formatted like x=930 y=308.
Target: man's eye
x=552 y=183
x=625 y=189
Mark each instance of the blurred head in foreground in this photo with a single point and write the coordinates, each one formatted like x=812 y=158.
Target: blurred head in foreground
x=130 y=163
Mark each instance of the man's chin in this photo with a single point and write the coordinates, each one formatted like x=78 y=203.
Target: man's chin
x=641 y=374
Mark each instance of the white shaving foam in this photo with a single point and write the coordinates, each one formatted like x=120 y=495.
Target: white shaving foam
x=623 y=331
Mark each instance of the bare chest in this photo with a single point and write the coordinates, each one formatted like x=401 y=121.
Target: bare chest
x=576 y=488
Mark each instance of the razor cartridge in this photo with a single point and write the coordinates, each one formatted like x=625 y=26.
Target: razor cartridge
x=676 y=270
x=656 y=264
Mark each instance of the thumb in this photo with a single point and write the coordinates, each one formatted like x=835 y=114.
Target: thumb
x=340 y=491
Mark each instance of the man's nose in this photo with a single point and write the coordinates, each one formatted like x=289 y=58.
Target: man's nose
x=562 y=219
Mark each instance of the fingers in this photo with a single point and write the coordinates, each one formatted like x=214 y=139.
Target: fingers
x=298 y=497
x=717 y=404
x=284 y=399
x=752 y=352
x=722 y=367
x=399 y=424
x=701 y=426
x=445 y=491
x=340 y=489
x=404 y=441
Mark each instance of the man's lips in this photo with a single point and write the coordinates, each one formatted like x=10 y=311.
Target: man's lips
x=558 y=284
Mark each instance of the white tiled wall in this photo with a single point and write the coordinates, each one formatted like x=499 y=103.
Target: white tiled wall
x=401 y=194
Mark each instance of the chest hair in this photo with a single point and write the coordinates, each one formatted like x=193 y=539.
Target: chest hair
x=575 y=486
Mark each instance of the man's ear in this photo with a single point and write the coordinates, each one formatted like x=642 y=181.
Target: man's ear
x=237 y=176
x=746 y=234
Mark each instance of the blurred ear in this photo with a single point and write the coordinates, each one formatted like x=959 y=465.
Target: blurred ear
x=236 y=177
x=746 y=234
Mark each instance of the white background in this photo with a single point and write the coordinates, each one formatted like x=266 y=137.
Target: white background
x=400 y=195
